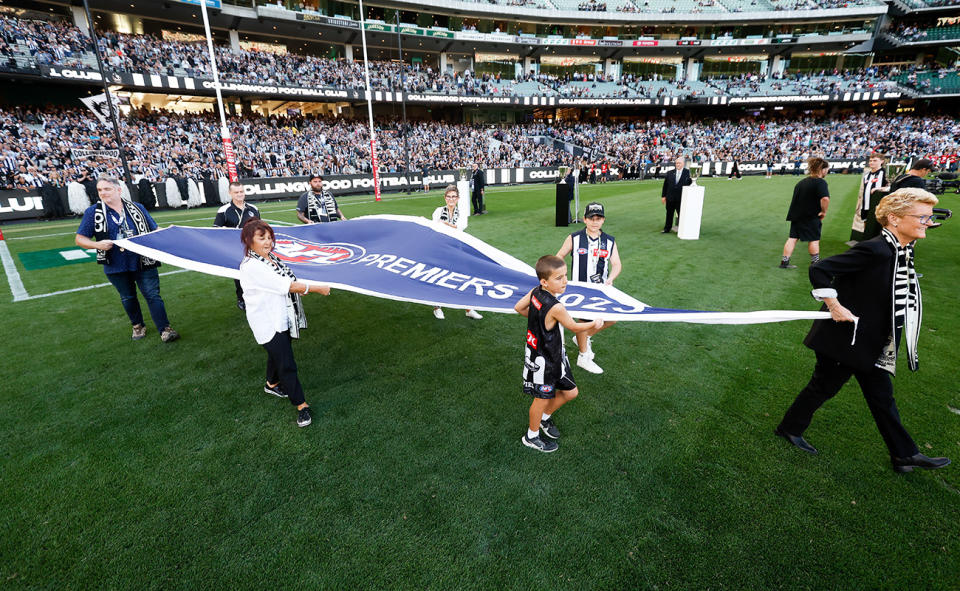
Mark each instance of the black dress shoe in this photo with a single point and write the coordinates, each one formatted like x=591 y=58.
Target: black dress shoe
x=664 y=231
x=796 y=440
x=918 y=461
x=241 y=304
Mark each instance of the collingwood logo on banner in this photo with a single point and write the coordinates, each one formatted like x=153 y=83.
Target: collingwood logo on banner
x=98 y=104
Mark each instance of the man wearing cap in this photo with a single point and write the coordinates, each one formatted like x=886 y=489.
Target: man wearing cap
x=914 y=176
x=317 y=205
x=594 y=259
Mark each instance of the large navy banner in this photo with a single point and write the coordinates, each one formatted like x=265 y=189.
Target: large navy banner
x=415 y=260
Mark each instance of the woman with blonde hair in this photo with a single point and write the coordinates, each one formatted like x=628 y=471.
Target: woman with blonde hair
x=873 y=297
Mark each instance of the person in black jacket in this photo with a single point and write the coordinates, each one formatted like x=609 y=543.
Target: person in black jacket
x=914 y=176
x=670 y=195
x=478 y=182
x=874 y=300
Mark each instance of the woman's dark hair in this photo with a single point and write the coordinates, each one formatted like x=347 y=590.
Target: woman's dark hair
x=252 y=228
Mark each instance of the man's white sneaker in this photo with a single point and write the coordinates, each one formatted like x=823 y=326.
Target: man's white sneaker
x=474 y=314
x=587 y=363
x=438 y=313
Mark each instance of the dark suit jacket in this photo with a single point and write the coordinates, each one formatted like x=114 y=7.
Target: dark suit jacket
x=863 y=278
x=479 y=180
x=672 y=187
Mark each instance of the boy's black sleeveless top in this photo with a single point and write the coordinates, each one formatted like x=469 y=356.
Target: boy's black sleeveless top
x=544 y=351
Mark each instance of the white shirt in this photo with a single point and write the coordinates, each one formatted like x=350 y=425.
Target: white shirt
x=461 y=221
x=265 y=294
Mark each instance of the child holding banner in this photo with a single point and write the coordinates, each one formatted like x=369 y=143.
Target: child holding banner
x=546 y=370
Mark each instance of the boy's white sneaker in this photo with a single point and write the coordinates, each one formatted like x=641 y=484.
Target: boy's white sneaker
x=474 y=314
x=438 y=313
x=585 y=361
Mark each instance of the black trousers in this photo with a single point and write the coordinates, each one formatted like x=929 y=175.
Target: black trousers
x=477 y=199
x=828 y=377
x=282 y=369
x=871 y=227
x=239 y=289
x=673 y=208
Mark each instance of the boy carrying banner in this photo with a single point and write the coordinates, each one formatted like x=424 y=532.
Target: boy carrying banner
x=546 y=370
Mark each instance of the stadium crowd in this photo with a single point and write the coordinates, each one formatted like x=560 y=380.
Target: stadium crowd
x=49 y=43
x=764 y=140
x=40 y=145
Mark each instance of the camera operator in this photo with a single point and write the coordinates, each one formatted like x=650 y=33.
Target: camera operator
x=914 y=176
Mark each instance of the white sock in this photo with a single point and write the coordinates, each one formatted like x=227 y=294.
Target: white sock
x=545 y=417
x=532 y=434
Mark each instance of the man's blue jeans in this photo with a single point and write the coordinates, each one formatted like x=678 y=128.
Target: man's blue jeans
x=149 y=283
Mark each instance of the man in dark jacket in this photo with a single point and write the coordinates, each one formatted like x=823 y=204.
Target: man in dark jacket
x=478 y=182
x=673 y=185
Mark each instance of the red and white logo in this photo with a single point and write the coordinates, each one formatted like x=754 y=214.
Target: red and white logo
x=536 y=303
x=294 y=250
x=531 y=339
x=601 y=252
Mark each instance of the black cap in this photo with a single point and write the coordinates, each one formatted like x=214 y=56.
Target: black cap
x=923 y=163
x=315 y=176
x=594 y=209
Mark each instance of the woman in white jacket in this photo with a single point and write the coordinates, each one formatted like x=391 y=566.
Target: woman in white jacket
x=274 y=312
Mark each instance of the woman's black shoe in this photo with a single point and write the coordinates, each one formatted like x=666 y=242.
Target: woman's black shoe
x=918 y=461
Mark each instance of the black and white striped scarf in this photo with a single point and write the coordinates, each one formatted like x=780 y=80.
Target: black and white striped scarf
x=446 y=217
x=296 y=318
x=323 y=209
x=907 y=307
x=101 y=230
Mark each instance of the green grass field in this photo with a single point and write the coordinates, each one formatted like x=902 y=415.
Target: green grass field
x=144 y=465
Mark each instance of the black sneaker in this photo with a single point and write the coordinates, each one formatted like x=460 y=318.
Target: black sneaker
x=275 y=390
x=550 y=429
x=241 y=304
x=303 y=417
x=540 y=445
x=787 y=266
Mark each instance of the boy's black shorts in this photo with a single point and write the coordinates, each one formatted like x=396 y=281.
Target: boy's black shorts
x=549 y=391
x=806 y=230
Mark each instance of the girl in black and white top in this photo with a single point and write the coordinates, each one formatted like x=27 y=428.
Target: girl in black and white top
x=274 y=312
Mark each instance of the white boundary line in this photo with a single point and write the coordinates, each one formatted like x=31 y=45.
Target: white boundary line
x=85 y=288
x=13 y=276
